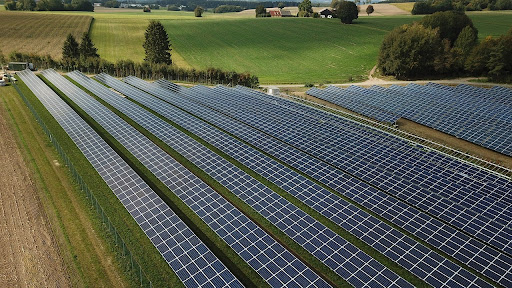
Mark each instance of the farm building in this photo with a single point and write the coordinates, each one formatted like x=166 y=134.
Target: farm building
x=18 y=66
x=326 y=13
x=273 y=91
x=275 y=13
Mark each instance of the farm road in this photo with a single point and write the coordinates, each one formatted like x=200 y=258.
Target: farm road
x=29 y=255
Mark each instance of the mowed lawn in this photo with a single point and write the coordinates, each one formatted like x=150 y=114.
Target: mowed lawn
x=39 y=33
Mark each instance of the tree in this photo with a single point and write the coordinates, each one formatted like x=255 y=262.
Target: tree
x=10 y=5
x=466 y=41
x=450 y=24
x=305 y=5
x=87 y=48
x=280 y=5
x=261 y=11
x=81 y=5
x=156 y=44
x=347 y=11
x=411 y=51
x=503 y=5
x=369 y=9
x=198 y=11
x=334 y=3
x=70 y=51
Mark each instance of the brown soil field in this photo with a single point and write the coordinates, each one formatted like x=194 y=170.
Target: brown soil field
x=39 y=33
x=29 y=254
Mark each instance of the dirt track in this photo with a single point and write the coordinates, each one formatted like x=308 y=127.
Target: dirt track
x=29 y=256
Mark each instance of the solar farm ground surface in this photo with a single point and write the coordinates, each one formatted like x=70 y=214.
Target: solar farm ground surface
x=413 y=275
x=41 y=206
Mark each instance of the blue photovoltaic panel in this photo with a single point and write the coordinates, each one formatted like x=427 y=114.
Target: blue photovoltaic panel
x=417 y=258
x=320 y=241
x=481 y=116
x=485 y=260
x=372 y=156
x=269 y=258
x=190 y=259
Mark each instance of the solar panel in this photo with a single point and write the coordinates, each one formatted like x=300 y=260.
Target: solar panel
x=361 y=224
x=152 y=215
x=360 y=157
x=487 y=116
x=269 y=258
x=307 y=232
x=416 y=222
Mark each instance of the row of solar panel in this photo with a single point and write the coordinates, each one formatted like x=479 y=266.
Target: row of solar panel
x=280 y=121
x=481 y=116
x=177 y=241
x=327 y=246
x=389 y=241
x=270 y=259
x=421 y=267
x=431 y=233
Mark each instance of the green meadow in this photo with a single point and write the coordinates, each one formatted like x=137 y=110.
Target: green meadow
x=277 y=50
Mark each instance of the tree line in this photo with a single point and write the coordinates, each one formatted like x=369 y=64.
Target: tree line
x=191 y=4
x=432 y=6
x=49 y=5
x=445 y=44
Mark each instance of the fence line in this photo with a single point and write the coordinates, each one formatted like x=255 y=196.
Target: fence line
x=131 y=264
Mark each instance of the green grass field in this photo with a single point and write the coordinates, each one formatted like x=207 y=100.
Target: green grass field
x=286 y=50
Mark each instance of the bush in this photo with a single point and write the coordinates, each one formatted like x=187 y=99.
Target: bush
x=124 y=68
x=227 y=9
x=173 y=8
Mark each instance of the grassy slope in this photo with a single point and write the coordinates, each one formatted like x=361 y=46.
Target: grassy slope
x=276 y=50
x=288 y=50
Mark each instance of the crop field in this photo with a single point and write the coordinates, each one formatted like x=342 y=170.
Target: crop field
x=40 y=33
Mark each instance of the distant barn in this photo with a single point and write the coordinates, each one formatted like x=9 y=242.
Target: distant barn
x=275 y=13
x=326 y=13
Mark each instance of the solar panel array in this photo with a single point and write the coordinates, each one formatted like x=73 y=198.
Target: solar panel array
x=264 y=254
x=392 y=164
x=464 y=248
x=398 y=247
x=356 y=267
x=350 y=158
x=482 y=116
x=185 y=253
